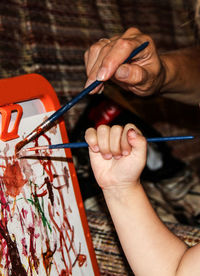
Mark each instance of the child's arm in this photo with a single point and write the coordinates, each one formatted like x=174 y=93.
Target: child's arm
x=118 y=157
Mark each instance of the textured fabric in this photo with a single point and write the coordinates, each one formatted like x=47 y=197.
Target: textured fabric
x=49 y=37
x=110 y=256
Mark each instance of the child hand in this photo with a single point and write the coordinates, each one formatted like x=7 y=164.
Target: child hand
x=117 y=155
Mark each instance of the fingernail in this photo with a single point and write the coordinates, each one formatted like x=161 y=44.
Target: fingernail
x=95 y=148
x=101 y=90
x=88 y=83
x=117 y=157
x=122 y=72
x=101 y=74
x=132 y=133
x=108 y=156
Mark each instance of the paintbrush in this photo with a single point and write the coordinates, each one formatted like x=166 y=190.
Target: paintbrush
x=56 y=115
x=23 y=152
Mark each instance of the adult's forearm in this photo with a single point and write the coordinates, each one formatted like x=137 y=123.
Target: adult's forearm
x=150 y=247
x=182 y=75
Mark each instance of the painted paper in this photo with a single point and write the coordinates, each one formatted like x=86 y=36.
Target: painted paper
x=40 y=226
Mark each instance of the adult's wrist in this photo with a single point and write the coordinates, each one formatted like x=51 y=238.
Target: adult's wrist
x=168 y=73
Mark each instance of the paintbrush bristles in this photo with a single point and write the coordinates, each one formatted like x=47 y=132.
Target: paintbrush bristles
x=23 y=152
x=31 y=136
x=37 y=148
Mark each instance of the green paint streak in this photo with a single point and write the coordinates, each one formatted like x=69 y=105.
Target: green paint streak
x=20 y=198
x=42 y=203
x=34 y=184
x=36 y=203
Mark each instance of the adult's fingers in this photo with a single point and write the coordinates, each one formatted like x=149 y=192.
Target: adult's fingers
x=93 y=60
x=91 y=55
x=131 y=74
x=120 y=51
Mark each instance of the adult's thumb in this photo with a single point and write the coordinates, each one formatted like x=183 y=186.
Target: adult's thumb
x=131 y=74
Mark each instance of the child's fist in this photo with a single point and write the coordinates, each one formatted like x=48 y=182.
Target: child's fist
x=117 y=154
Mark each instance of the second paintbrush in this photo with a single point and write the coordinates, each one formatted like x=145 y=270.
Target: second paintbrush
x=84 y=144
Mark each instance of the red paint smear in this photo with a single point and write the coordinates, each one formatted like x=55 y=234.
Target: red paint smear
x=24 y=247
x=66 y=177
x=50 y=190
x=32 y=249
x=47 y=258
x=4 y=203
x=13 y=179
x=64 y=273
x=42 y=194
x=24 y=213
x=80 y=258
x=46 y=163
x=4 y=251
x=17 y=267
x=62 y=240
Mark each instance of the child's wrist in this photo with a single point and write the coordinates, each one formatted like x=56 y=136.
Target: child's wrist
x=120 y=192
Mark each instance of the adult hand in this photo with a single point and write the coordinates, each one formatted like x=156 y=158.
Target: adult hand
x=144 y=75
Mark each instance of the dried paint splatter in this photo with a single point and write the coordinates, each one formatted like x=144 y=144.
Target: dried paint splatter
x=13 y=179
x=38 y=218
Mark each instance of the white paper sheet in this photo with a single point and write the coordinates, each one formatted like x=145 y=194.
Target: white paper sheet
x=40 y=227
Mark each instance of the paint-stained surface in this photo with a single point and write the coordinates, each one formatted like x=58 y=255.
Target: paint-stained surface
x=40 y=226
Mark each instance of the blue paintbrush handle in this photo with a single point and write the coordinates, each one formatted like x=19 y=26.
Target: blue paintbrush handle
x=170 y=138
x=56 y=115
x=154 y=139
x=69 y=145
